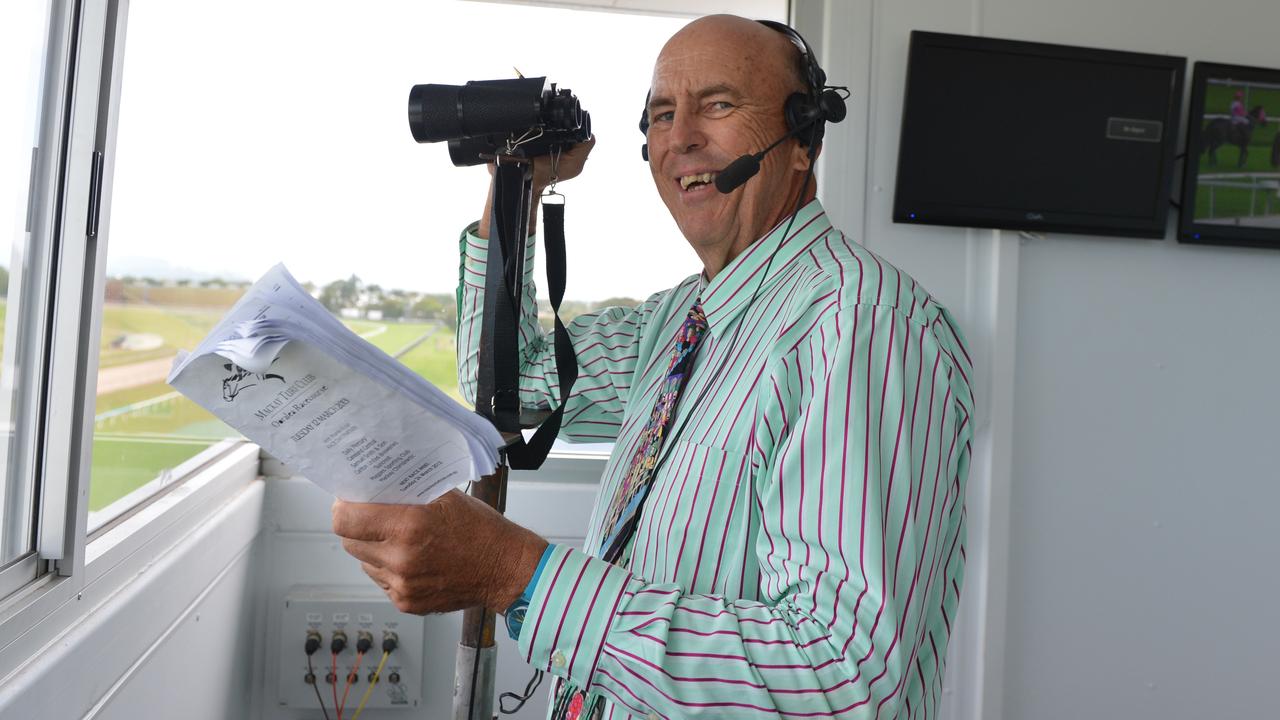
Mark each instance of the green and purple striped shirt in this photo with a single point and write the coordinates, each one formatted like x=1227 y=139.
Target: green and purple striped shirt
x=801 y=551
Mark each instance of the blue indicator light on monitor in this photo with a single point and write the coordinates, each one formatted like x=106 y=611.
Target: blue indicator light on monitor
x=1197 y=236
x=912 y=216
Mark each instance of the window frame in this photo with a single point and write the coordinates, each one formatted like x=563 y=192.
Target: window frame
x=44 y=214
x=69 y=367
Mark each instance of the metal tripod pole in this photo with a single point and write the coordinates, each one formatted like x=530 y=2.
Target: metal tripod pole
x=512 y=200
x=476 y=666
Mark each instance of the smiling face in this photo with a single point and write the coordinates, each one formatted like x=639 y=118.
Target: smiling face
x=718 y=92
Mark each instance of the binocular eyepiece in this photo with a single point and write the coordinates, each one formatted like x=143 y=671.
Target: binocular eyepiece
x=523 y=116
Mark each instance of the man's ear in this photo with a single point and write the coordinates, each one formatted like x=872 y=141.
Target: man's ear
x=800 y=157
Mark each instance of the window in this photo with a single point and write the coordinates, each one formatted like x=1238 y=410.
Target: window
x=243 y=144
x=24 y=266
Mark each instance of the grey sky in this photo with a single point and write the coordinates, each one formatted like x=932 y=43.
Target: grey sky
x=257 y=132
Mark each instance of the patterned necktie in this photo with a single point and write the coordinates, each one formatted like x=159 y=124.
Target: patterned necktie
x=624 y=511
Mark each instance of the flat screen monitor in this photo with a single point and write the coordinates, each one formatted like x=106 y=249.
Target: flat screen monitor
x=1231 y=187
x=1038 y=137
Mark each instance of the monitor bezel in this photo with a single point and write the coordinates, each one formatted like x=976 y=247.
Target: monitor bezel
x=1190 y=231
x=1029 y=219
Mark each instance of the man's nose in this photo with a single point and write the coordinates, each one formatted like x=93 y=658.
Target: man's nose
x=686 y=133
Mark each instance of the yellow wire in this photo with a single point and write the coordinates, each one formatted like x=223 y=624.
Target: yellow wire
x=376 y=674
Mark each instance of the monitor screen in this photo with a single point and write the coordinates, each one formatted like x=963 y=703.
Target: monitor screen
x=1030 y=136
x=1231 y=188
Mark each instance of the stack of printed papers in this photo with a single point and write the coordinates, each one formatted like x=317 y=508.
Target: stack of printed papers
x=291 y=377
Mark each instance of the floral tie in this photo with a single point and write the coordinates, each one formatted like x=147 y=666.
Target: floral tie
x=572 y=703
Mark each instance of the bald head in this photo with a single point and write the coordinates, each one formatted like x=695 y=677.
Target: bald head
x=764 y=53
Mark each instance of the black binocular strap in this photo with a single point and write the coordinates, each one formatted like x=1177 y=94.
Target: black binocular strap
x=498 y=382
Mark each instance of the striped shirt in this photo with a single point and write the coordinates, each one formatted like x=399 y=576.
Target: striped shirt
x=801 y=551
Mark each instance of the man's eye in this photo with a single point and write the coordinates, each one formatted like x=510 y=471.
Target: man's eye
x=721 y=105
x=663 y=116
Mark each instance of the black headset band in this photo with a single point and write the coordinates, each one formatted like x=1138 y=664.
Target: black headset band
x=814 y=76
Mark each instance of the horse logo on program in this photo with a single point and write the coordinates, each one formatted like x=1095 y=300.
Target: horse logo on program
x=241 y=379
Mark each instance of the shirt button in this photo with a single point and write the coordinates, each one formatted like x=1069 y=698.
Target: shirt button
x=654 y=716
x=557 y=659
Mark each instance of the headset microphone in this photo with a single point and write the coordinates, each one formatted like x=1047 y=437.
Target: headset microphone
x=744 y=168
x=738 y=172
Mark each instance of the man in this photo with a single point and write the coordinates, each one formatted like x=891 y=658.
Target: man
x=799 y=551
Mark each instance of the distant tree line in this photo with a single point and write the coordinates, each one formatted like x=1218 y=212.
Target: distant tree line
x=147 y=281
x=349 y=296
x=570 y=309
x=352 y=293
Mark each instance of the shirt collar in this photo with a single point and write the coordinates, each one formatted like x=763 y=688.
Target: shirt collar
x=732 y=289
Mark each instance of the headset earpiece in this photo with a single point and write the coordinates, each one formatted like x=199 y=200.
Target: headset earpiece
x=832 y=106
x=644 y=128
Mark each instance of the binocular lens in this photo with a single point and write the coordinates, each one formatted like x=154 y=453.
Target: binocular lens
x=450 y=112
x=524 y=116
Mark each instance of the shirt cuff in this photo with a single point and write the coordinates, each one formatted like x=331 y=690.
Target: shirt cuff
x=475 y=254
x=572 y=610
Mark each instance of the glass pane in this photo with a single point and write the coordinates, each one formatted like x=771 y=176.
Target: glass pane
x=295 y=148
x=23 y=37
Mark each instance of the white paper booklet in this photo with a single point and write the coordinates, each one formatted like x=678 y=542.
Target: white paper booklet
x=285 y=372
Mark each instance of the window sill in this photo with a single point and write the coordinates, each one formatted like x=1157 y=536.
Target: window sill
x=52 y=605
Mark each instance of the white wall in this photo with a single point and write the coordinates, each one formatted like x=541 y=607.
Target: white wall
x=1124 y=556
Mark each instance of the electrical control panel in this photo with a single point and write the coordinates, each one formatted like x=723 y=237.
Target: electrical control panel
x=314 y=617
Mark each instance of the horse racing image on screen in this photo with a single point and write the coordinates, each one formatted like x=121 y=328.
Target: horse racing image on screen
x=1233 y=157
x=1241 y=154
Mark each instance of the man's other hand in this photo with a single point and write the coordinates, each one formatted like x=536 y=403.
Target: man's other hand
x=569 y=167
x=571 y=164
x=453 y=553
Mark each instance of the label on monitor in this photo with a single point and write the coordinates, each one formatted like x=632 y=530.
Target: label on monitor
x=1131 y=129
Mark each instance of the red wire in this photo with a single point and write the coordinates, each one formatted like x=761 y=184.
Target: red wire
x=335 y=686
x=347 y=689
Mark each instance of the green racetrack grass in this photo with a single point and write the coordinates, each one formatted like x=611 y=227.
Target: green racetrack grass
x=122 y=465
x=1234 y=202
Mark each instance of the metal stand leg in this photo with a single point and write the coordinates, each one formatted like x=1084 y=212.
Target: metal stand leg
x=474 y=673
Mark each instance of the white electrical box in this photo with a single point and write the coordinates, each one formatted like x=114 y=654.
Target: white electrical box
x=353 y=612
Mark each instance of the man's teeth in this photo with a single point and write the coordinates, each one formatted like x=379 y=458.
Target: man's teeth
x=688 y=180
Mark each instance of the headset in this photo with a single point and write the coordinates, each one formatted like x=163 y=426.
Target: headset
x=817 y=105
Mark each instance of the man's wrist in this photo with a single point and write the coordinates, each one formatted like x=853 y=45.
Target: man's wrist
x=520 y=572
